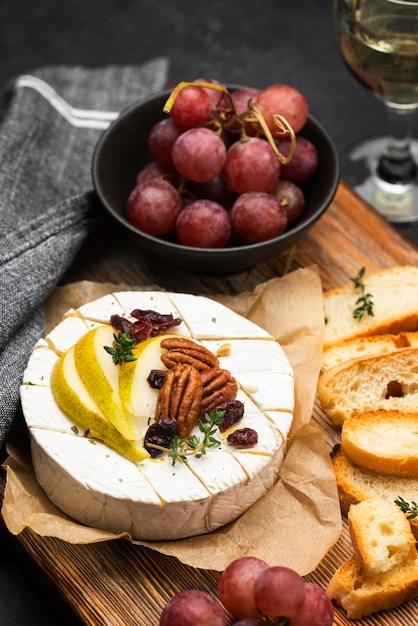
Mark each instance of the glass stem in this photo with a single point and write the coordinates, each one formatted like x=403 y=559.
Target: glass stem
x=396 y=165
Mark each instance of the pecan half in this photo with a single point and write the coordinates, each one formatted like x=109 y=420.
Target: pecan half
x=180 y=397
x=219 y=386
x=183 y=350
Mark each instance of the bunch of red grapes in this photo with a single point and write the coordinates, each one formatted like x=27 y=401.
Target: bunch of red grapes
x=227 y=167
x=256 y=595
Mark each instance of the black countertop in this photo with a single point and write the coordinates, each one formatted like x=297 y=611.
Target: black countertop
x=234 y=41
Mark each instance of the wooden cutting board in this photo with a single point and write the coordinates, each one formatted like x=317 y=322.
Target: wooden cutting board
x=118 y=584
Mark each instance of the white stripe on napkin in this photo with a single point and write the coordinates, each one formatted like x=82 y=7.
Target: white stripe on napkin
x=85 y=118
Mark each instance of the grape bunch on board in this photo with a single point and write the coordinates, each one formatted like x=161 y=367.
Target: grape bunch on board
x=228 y=168
x=255 y=594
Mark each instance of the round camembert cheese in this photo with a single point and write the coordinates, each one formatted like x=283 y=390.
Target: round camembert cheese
x=152 y=499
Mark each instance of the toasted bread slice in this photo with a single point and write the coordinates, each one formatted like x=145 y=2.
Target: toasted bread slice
x=383 y=441
x=394 y=293
x=362 y=596
x=385 y=381
x=381 y=536
x=356 y=484
x=366 y=346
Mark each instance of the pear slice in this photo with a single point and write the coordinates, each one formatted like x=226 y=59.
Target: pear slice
x=101 y=378
x=73 y=398
x=136 y=393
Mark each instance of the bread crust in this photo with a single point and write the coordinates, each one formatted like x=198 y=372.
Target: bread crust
x=362 y=596
x=381 y=536
x=369 y=389
x=356 y=484
x=365 y=346
x=383 y=441
x=362 y=384
x=394 y=293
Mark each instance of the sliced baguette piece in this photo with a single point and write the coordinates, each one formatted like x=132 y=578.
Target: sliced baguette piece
x=381 y=536
x=362 y=385
x=356 y=484
x=362 y=596
x=366 y=346
x=383 y=441
x=394 y=292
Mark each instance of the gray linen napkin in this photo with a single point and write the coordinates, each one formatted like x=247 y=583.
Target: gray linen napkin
x=46 y=197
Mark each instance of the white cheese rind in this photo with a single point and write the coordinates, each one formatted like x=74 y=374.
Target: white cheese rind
x=41 y=410
x=251 y=355
x=67 y=469
x=208 y=319
x=154 y=500
x=262 y=368
x=39 y=367
x=100 y=310
x=282 y=420
x=66 y=334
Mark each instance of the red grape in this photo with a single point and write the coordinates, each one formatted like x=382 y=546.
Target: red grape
x=237 y=583
x=279 y=591
x=154 y=170
x=191 y=107
x=203 y=224
x=317 y=609
x=241 y=97
x=215 y=189
x=291 y=197
x=153 y=207
x=250 y=621
x=214 y=94
x=257 y=216
x=244 y=191
x=303 y=162
x=286 y=101
x=161 y=139
x=251 y=165
x=192 y=608
x=199 y=154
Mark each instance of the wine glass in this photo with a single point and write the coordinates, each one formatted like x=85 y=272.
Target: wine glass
x=378 y=40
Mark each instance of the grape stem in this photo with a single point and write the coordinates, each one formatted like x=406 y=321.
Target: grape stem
x=173 y=96
x=252 y=114
x=284 y=129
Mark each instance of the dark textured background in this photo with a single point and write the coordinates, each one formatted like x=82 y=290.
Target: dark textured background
x=234 y=41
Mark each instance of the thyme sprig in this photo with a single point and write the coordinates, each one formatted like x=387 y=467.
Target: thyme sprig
x=122 y=349
x=197 y=446
x=411 y=509
x=365 y=302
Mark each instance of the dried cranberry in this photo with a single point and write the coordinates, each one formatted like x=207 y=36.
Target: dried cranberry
x=233 y=413
x=139 y=331
x=160 y=433
x=160 y=323
x=156 y=378
x=148 y=324
x=243 y=437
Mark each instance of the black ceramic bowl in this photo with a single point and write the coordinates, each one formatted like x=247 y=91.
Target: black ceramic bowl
x=122 y=151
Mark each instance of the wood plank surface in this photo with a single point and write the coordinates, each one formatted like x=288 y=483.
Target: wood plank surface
x=118 y=584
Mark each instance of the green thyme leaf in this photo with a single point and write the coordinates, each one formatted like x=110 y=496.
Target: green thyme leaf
x=181 y=448
x=122 y=350
x=411 y=509
x=365 y=302
x=358 y=280
x=178 y=450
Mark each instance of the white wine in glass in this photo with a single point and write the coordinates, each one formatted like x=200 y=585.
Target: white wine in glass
x=378 y=40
